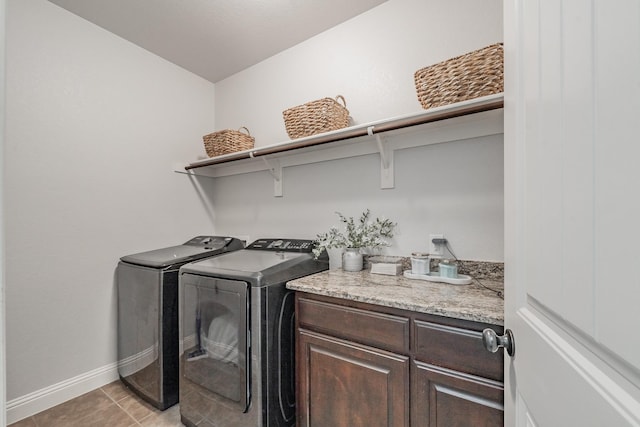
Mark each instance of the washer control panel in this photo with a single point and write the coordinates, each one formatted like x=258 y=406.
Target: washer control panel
x=209 y=241
x=282 y=245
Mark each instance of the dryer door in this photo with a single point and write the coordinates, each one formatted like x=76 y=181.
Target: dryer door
x=214 y=334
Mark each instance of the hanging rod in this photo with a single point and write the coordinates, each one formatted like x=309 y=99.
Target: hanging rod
x=458 y=109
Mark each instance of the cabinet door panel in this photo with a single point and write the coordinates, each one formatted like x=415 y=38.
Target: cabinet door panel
x=342 y=384
x=447 y=398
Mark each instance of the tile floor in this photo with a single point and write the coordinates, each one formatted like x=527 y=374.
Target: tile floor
x=110 y=406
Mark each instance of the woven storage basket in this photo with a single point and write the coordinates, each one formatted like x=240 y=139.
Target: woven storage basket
x=315 y=117
x=227 y=141
x=472 y=75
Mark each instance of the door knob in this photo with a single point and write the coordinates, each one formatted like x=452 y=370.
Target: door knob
x=492 y=341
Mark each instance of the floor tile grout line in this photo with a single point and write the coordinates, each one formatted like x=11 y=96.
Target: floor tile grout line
x=118 y=405
x=127 y=412
x=108 y=395
x=144 y=418
x=117 y=402
x=113 y=398
x=138 y=422
x=130 y=416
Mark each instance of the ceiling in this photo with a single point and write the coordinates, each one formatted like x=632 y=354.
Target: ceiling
x=216 y=38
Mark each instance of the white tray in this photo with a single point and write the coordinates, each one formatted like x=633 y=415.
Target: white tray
x=462 y=279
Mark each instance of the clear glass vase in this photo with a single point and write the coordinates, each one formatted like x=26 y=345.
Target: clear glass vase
x=352 y=259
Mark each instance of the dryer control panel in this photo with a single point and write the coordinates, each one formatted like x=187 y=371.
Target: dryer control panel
x=282 y=245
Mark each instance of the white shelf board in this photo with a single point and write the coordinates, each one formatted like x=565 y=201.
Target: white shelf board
x=464 y=120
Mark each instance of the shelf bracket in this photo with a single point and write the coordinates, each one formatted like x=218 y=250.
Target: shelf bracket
x=386 y=160
x=275 y=170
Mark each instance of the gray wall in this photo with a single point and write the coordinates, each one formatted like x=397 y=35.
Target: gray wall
x=453 y=188
x=94 y=125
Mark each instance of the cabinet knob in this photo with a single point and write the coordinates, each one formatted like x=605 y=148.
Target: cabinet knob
x=492 y=341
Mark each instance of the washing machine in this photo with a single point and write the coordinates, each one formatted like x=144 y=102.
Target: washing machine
x=147 y=285
x=237 y=334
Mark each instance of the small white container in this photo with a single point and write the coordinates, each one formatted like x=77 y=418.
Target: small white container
x=389 y=265
x=448 y=268
x=420 y=263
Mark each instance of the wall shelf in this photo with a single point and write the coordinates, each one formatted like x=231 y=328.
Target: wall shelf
x=463 y=120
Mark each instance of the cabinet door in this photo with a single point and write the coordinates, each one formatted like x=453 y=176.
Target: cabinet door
x=447 y=398
x=341 y=384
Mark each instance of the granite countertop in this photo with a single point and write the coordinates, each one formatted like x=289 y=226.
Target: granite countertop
x=468 y=302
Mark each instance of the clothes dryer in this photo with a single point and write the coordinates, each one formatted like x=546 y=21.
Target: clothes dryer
x=147 y=285
x=237 y=333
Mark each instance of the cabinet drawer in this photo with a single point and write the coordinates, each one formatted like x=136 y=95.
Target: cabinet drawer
x=379 y=330
x=456 y=348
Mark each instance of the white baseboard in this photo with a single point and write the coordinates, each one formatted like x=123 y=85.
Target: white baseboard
x=48 y=397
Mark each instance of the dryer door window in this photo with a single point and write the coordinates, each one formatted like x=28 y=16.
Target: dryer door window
x=214 y=330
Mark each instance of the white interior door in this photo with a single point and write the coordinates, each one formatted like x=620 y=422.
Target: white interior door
x=572 y=198
x=3 y=395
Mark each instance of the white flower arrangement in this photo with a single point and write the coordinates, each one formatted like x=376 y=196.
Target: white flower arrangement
x=361 y=234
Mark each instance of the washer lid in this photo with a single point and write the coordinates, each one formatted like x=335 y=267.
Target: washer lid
x=247 y=261
x=165 y=257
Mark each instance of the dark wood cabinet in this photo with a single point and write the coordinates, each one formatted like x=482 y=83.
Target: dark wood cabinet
x=455 y=382
x=349 y=385
x=366 y=365
x=448 y=398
